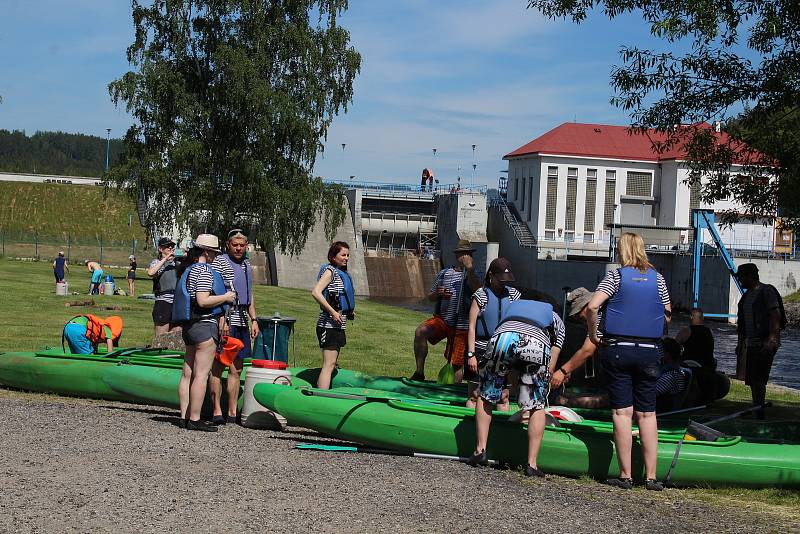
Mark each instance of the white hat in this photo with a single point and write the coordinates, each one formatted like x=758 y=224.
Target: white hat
x=131 y=257
x=207 y=242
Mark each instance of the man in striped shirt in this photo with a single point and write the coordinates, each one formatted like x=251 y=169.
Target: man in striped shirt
x=451 y=291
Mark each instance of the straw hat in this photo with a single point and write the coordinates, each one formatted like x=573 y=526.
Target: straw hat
x=207 y=242
x=464 y=246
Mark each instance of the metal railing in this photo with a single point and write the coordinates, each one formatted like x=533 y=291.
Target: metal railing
x=76 y=249
x=389 y=188
x=521 y=231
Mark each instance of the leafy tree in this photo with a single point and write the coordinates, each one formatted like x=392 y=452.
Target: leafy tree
x=231 y=99
x=56 y=153
x=741 y=69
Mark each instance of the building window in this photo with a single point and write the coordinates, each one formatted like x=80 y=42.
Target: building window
x=572 y=198
x=569 y=237
x=523 y=191
x=640 y=184
x=611 y=187
x=530 y=200
x=588 y=238
x=552 y=199
x=550 y=235
x=591 y=200
x=516 y=186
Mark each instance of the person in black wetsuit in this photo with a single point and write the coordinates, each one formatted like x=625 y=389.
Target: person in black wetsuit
x=697 y=341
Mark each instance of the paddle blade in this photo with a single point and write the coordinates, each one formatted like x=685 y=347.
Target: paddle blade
x=320 y=447
x=447 y=374
x=700 y=432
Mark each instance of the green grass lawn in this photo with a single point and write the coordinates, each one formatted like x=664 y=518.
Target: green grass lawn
x=378 y=342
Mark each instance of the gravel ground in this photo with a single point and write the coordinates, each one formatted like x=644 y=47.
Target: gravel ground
x=74 y=465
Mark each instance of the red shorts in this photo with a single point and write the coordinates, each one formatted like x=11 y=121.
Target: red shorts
x=456 y=339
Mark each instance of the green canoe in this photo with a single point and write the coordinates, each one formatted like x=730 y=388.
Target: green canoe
x=77 y=375
x=572 y=449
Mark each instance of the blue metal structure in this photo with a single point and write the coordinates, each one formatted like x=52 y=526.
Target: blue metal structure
x=704 y=220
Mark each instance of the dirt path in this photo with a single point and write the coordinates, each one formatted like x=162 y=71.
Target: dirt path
x=73 y=465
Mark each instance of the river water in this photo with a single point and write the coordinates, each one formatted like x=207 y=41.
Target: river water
x=785 y=369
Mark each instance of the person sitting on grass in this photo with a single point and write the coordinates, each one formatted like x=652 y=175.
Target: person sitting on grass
x=487 y=307
x=529 y=339
x=84 y=333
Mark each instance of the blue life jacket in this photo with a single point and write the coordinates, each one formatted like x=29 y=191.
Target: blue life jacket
x=242 y=279
x=636 y=310
x=492 y=314
x=185 y=307
x=347 y=299
x=532 y=312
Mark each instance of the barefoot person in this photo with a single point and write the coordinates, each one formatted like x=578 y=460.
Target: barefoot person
x=528 y=339
x=630 y=309
x=237 y=272
x=335 y=295
x=488 y=304
x=164 y=274
x=199 y=299
x=451 y=290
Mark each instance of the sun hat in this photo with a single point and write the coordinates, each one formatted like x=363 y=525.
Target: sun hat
x=464 y=246
x=60 y=252
x=501 y=268
x=577 y=299
x=131 y=257
x=165 y=241
x=747 y=268
x=207 y=242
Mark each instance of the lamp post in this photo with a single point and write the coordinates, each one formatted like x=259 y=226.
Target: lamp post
x=108 y=145
x=472 y=184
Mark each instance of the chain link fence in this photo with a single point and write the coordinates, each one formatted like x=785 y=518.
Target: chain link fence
x=76 y=249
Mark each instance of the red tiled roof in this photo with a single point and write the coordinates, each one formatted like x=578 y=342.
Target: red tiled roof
x=599 y=141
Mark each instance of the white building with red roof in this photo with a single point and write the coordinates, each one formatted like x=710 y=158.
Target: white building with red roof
x=569 y=184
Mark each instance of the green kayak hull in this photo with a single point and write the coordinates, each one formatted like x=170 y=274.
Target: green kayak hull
x=573 y=449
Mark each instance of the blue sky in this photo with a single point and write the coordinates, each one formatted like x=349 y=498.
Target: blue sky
x=444 y=74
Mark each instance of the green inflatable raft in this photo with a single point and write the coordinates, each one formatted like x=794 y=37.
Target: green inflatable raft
x=572 y=449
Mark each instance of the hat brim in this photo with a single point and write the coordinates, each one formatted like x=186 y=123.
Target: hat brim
x=505 y=277
x=469 y=250
x=162 y=245
x=206 y=247
x=579 y=304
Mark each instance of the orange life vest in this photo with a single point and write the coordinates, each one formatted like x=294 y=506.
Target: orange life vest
x=94 y=328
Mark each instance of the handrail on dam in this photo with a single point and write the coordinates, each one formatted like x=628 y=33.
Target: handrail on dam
x=523 y=234
x=408 y=189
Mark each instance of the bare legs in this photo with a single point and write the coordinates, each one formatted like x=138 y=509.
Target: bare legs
x=131 y=288
x=203 y=358
x=623 y=440
x=329 y=358
x=186 y=378
x=536 y=422
x=231 y=387
x=421 y=336
x=473 y=397
x=483 y=420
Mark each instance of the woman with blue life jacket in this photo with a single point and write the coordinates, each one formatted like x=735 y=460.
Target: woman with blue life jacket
x=237 y=273
x=627 y=317
x=335 y=294
x=200 y=296
x=485 y=313
x=528 y=340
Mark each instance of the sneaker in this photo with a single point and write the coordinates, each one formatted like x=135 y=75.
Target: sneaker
x=420 y=377
x=181 y=423
x=624 y=483
x=219 y=420
x=478 y=458
x=653 y=484
x=231 y=419
x=202 y=426
x=533 y=472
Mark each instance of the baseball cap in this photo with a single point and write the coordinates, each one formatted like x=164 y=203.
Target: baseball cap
x=501 y=268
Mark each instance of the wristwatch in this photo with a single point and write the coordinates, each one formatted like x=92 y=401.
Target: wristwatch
x=562 y=371
x=470 y=354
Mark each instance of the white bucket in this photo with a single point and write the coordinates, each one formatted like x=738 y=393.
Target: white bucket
x=109 y=288
x=253 y=414
x=62 y=288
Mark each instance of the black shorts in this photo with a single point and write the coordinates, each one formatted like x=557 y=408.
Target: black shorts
x=331 y=338
x=162 y=312
x=632 y=370
x=757 y=364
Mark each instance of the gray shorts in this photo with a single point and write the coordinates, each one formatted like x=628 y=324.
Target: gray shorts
x=199 y=331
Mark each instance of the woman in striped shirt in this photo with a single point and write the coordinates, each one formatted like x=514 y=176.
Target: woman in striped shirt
x=332 y=322
x=629 y=310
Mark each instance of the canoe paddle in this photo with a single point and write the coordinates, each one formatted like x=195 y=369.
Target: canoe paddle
x=343 y=448
x=367 y=398
x=703 y=431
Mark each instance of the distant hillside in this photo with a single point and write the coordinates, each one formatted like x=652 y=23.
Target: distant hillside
x=56 y=153
x=61 y=211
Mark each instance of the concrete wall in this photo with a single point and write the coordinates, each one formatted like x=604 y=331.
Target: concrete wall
x=301 y=271
x=464 y=216
x=400 y=277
